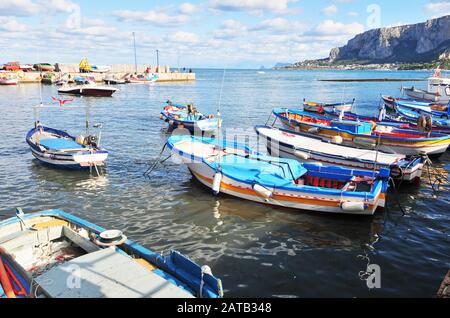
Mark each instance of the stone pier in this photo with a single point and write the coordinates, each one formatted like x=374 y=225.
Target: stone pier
x=164 y=73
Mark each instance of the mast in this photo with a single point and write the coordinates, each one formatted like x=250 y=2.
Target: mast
x=135 y=55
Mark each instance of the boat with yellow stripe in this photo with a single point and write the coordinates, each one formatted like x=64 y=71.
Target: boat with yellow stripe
x=365 y=135
x=234 y=169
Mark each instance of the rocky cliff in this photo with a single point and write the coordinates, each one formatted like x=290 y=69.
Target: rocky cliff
x=423 y=42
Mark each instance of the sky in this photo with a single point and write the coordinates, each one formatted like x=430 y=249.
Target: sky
x=195 y=33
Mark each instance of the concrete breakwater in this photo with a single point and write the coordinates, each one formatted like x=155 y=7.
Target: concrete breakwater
x=119 y=71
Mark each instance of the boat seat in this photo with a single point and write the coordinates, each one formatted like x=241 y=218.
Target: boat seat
x=60 y=144
x=106 y=274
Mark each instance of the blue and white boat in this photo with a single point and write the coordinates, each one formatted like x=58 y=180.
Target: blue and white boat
x=234 y=169
x=293 y=145
x=53 y=254
x=58 y=149
x=440 y=120
x=187 y=117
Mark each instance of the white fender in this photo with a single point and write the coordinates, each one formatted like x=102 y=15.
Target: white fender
x=301 y=155
x=353 y=206
x=161 y=116
x=313 y=130
x=338 y=140
x=264 y=192
x=171 y=122
x=216 y=183
x=363 y=142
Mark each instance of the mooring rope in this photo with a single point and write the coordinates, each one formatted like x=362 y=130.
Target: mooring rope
x=152 y=167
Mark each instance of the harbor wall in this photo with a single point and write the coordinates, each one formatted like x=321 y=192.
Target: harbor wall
x=117 y=70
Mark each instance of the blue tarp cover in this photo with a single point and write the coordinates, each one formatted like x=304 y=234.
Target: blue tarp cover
x=60 y=144
x=251 y=170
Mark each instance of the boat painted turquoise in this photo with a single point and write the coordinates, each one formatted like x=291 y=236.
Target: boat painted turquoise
x=234 y=169
x=178 y=117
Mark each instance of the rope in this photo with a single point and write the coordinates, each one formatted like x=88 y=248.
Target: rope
x=151 y=168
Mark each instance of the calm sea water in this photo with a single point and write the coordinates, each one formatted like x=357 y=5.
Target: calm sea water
x=257 y=250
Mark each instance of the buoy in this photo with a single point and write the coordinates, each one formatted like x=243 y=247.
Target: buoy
x=363 y=142
x=216 y=183
x=353 y=206
x=80 y=140
x=301 y=155
x=264 y=192
x=171 y=122
x=338 y=140
x=314 y=130
x=6 y=283
x=161 y=116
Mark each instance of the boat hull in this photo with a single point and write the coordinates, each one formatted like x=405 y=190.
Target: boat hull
x=396 y=145
x=283 y=143
x=292 y=200
x=286 y=194
x=88 y=91
x=83 y=159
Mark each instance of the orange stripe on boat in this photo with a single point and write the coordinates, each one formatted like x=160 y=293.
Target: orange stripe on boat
x=282 y=197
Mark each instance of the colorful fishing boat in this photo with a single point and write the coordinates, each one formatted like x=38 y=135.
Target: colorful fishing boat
x=441 y=122
x=390 y=101
x=442 y=111
x=391 y=119
x=364 y=135
x=234 y=169
x=292 y=145
x=187 y=117
x=58 y=149
x=53 y=254
x=321 y=107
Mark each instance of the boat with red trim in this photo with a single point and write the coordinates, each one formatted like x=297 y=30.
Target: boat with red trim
x=234 y=169
x=364 y=135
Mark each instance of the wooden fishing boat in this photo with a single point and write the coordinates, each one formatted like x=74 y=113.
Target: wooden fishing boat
x=439 y=122
x=390 y=101
x=53 y=254
x=392 y=119
x=231 y=168
x=292 y=145
x=365 y=134
x=92 y=90
x=187 y=117
x=58 y=149
x=321 y=107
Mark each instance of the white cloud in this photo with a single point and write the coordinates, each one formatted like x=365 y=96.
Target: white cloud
x=187 y=8
x=59 y=5
x=157 y=18
x=353 y=14
x=184 y=37
x=230 y=29
x=330 y=27
x=252 y=6
x=280 y=25
x=20 y=8
x=330 y=10
x=10 y=24
x=438 y=9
